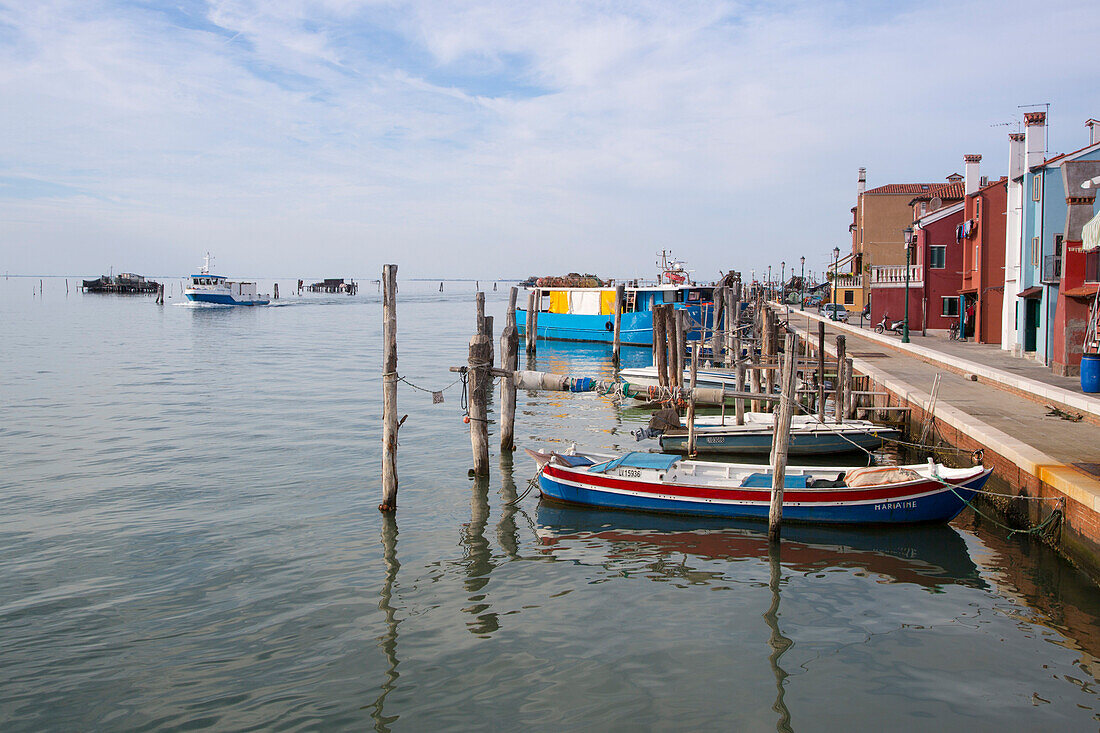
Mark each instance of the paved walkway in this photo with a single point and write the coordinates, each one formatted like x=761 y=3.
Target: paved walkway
x=989 y=363
x=1018 y=428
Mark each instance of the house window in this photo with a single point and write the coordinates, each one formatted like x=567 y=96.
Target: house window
x=1036 y=188
x=1034 y=251
x=849 y=297
x=950 y=306
x=937 y=257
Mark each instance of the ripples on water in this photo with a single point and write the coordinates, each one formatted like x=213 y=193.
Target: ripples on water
x=189 y=539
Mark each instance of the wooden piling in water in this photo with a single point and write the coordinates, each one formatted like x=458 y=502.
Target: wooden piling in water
x=488 y=331
x=660 y=345
x=509 y=359
x=838 y=388
x=620 y=291
x=390 y=425
x=820 y=372
x=478 y=365
x=695 y=351
x=681 y=345
x=275 y=294
x=781 y=437
x=528 y=329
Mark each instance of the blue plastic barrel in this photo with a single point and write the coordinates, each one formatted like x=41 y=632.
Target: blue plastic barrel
x=1090 y=373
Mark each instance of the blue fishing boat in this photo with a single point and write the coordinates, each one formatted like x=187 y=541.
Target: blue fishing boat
x=660 y=482
x=582 y=307
x=218 y=290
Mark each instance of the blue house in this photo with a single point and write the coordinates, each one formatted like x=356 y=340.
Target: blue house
x=1042 y=241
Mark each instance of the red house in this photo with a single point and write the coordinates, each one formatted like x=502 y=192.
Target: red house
x=982 y=236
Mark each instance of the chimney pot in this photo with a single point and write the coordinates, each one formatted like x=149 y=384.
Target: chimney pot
x=972 y=162
x=1094 y=131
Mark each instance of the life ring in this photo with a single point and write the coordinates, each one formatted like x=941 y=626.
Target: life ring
x=609 y=326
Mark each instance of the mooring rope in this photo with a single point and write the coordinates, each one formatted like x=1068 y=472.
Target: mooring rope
x=1056 y=512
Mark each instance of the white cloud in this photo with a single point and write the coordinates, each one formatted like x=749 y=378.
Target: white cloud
x=496 y=137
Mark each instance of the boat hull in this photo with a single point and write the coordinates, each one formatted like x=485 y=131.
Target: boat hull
x=222 y=299
x=760 y=443
x=926 y=500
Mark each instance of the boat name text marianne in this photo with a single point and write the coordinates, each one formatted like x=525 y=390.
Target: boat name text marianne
x=896 y=505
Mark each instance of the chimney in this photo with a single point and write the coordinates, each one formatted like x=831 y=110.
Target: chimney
x=862 y=181
x=1015 y=155
x=1094 y=131
x=973 y=162
x=1035 y=144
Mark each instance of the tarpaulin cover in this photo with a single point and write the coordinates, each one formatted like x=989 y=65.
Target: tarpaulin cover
x=607 y=302
x=559 y=301
x=636 y=459
x=584 y=302
x=1090 y=234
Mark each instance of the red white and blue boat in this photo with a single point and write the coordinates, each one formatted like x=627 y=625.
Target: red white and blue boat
x=660 y=482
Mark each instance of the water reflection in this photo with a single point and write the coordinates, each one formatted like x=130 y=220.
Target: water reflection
x=507 y=532
x=478 y=561
x=929 y=556
x=777 y=643
x=389 y=639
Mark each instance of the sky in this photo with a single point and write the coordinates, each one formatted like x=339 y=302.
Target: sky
x=501 y=139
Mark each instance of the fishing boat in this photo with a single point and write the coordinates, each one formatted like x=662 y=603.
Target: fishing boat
x=216 y=289
x=582 y=307
x=714 y=434
x=662 y=482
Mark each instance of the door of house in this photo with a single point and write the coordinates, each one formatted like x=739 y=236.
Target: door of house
x=1031 y=322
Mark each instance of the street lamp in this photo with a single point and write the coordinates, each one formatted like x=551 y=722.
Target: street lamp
x=783 y=280
x=769 y=282
x=802 y=287
x=836 y=268
x=905 y=323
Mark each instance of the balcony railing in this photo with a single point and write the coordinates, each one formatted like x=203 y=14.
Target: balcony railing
x=849 y=281
x=1052 y=269
x=894 y=274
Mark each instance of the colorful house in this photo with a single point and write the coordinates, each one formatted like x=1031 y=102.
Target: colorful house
x=1049 y=319
x=983 y=257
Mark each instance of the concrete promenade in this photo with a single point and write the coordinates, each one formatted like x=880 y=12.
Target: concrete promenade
x=1005 y=412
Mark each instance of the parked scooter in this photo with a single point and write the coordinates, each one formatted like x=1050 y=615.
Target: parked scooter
x=887 y=325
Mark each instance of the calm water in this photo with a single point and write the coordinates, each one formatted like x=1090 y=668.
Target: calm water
x=189 y=539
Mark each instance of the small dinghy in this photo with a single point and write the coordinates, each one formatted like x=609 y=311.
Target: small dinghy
x=661 y=482
x=808 y=436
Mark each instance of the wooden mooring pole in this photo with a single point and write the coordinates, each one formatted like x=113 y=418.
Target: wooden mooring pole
x=838 y=391
x=782 y=436
x=820 y=372
x=620 y=291
x=531 y=323
x=390 y=424
x=695 y=351
x=480 y=379
x=660 y=345
x=509 y=359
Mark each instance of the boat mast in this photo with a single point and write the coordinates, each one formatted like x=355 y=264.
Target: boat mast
x=206 y=260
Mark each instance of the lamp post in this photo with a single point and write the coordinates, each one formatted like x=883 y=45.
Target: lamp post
x=836 y=267
x=802 y=287
x=783 y=280
x=769 y=282
x=905 y=323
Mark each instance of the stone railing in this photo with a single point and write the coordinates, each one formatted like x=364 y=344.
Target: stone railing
x=894 y=274
x=849 y=281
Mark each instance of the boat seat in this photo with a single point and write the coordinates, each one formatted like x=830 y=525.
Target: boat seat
x=764 y=481
x=825 y=483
